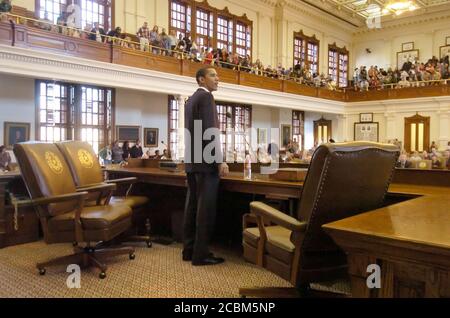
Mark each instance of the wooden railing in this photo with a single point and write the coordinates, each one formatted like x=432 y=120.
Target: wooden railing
x=25 y=36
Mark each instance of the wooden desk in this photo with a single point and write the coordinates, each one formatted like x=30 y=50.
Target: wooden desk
x=410 y=241
x=28 y=222
x=234 y=182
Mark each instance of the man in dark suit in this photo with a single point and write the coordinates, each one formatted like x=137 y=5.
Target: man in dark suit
x=204 y=167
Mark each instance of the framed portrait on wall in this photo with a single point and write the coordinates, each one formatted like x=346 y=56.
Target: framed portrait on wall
x=151 y=137
x=128 y=133
x=286 y=135
x=407 y=56
x=15 y=133
x=444 y=51
x=408 y=46
x=447 y=40
x=366 y=132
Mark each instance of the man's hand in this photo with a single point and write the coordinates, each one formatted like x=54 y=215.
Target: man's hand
x=223 y=170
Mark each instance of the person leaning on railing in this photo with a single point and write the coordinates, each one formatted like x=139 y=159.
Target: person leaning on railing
x=114 y=36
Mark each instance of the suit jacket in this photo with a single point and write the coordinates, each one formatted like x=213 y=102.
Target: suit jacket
x=201 y=106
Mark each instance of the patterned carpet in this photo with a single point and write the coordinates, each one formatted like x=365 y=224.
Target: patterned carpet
x=158 y=272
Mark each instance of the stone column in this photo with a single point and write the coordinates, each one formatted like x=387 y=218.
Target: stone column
x=342 y=133
x=391 y=131
x=444 y=128
x=180 y=151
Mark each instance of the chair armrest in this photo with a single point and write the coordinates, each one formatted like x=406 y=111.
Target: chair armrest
x=131 y=180
x=49 y=200
x=273 y=215
x=98 y=187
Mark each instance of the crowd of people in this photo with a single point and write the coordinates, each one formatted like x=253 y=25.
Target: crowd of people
x=437 y=159
x=115 y=153
x=412 y=74
x=185 y=47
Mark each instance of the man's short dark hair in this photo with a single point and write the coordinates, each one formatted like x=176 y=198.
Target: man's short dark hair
x=202 y=73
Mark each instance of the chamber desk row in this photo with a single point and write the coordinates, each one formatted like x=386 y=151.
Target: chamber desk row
x=409 y=238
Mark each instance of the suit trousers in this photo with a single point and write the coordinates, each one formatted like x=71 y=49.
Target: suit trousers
x=200 y=212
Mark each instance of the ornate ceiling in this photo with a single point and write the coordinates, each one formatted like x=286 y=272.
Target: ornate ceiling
x=356 y=12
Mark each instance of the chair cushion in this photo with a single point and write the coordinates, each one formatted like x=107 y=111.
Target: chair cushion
x=92 y=218
x=133 y=201
x=278 y=244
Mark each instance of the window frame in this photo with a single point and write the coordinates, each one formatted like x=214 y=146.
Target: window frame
x=216 y=13
x=109 y=16
x=300 y=127
x=338 y=52
x=307 y=41
x=73 y=125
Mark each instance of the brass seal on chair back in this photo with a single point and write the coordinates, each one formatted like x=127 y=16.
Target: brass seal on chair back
x=54 y=162
x=85 y=158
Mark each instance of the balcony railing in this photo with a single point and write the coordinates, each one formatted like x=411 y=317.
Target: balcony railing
x=38 y=35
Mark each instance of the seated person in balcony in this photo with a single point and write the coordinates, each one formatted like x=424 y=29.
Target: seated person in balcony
x=5 y=6
x=144 y=35
x=5 y=159
x=97 y=33
x=115 y=35
x=403 y=162
x=136 y=150
x=404 y=81
x=435 y=163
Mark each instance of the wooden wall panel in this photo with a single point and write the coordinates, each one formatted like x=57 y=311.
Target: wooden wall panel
x=253 y=80
x=190 y=68
x=294 y=88
x=228 y=76
x=145 y=60
x=6 y=34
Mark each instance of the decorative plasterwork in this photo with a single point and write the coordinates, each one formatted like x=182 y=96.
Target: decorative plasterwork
x=34 y=64
x=407 y=22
